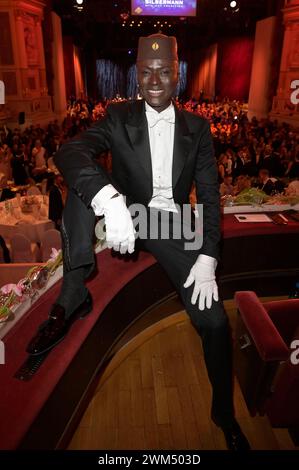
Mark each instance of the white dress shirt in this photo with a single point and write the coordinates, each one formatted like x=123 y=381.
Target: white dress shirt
x=161 y=136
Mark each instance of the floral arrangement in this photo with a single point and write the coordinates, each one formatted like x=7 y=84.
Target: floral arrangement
x=28 y=202
x=11 y=295
x=256 y=196
x=251 y=196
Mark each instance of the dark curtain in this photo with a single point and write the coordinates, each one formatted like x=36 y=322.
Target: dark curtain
x=111 y=79
x=119 y=79
x=234 y=68
x=69 y=71
x=132 y=82
x=182 y=85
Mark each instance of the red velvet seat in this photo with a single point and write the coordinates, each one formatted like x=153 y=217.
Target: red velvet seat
x=265 y=366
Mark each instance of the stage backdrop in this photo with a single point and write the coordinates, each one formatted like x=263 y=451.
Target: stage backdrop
x=121 y=79
x=202 y=73
x=234 y=68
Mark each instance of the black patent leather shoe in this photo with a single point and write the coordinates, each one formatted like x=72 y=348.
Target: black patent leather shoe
x=51 y=332
x=235 y=439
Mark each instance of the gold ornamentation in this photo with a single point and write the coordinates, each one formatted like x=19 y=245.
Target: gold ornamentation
x=155 y=46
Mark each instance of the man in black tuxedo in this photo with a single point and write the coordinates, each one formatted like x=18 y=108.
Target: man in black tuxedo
x=157 y=153
x=5 y=193
x=55 y=200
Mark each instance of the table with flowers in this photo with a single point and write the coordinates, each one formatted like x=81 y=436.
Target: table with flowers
x=27 y=215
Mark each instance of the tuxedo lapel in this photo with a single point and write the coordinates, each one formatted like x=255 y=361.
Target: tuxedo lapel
x=137 y=129
x=181 y=147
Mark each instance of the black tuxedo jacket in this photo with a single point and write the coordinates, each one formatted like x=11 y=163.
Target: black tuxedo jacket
x=124 y=131
x=55 y=205
x=6 y=193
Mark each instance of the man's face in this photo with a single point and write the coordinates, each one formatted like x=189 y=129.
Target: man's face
x=263 y=175
x=157 y=79
x=228 y=179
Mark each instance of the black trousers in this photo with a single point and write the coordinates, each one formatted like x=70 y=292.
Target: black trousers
x=211 y=324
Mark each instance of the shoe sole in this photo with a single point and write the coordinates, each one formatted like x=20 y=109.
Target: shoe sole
x=49 y=348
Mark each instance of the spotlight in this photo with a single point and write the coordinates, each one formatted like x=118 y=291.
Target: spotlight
x=79 y=5
x=233 y=4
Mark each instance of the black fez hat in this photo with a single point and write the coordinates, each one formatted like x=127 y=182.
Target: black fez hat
x=157 y=46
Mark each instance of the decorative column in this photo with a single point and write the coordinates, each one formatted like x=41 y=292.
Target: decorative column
x=265 y=47
x=19 y=28
x=59 y=95
x=286 y=102
x=39 y=37
x=79 y=81
x=22 y=63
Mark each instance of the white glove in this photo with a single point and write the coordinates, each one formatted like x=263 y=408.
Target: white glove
x=203 y=275
x=120 y=233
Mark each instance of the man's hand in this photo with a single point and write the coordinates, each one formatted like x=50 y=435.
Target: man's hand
x=120 y=233
x=203 y=275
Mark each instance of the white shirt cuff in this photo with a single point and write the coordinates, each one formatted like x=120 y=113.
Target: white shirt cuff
x=101 y=198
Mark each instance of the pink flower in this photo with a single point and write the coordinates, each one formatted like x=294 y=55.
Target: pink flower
x=16 y=288
x=20 y=284
x=54 y=254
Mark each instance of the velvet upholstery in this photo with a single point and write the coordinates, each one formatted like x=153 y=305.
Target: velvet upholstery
x=272 y=327
x=266 y=337
x=285 y=316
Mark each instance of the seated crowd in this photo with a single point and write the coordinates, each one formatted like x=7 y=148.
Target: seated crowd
x=262 y=154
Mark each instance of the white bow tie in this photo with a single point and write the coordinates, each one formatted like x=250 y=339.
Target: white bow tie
x=154 y=118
